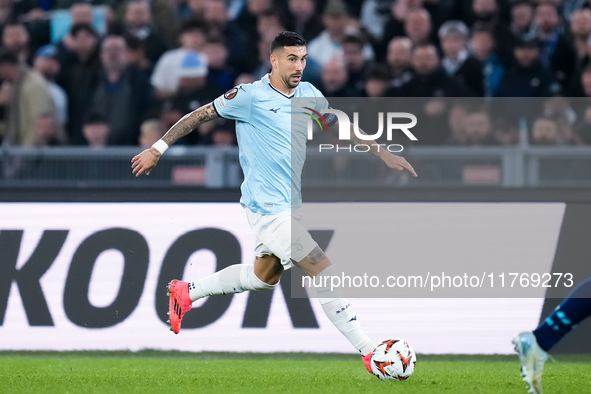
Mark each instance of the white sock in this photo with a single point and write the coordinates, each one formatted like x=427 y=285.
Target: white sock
x=341 y=314
x=236 y=278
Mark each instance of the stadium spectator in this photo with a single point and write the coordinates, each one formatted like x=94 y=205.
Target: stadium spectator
x=545 y=132
x=218 y=24
x=219 y=73
x=77 y=74
x=191 y=10
x=557 y=53
x=329 y=44
x=48 y=131
x=334 y=80
x=357 y=66
x=264 y=64
x=165 y=20
x=581 y=84
x=47 y=64
x=7 y=12
x=456 y=121
x=394 y=25
x=122 y=93
x=15 y=38
x=429 y=79
x=522 y=15
x=398 y=60
x=80 y=12
x=136 y=55
x=456 y=61
x=488 y=12
x=482 y=45
x=164 y=79
x=194 y=90
x=223 y=134
x=583 y=128
x=373 y=16
x=506 y=134
x=269 y=24
x=559 y=109
x=138 y=23
x=478 y=128
x=378 y=82
x=304 y=18
x=247 y=22
x=438 y=12
x=26 y=97
x=151 y=130
x=528 y=78
x=580 y=27
x=96 y=130
x=169 y=115
x=418 y=27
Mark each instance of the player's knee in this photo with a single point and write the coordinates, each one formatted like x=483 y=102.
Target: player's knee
x=268 y=269
x=277 y=270
x=278 y=267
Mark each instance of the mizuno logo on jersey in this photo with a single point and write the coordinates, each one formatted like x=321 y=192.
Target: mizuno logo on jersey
x=274 y=109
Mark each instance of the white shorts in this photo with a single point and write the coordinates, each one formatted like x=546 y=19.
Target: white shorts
x=281 y=235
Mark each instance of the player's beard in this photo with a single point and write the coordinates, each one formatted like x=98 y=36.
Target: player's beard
x=291 y=85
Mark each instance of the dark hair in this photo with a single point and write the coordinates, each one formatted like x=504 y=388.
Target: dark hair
x=483 y=27
x=354 y=39
x=134 y=43
x=287 y=39
x=520 y=3
x=9 y=57
x=193 y=25
x=87 y=27
x=216 y=39
x=379 y=72
x=93 y=118
x=13 y=23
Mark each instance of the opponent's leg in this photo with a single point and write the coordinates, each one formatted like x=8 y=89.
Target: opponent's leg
x=573 y=310
x=336 y=308
x=263 y=275
x=532 y=347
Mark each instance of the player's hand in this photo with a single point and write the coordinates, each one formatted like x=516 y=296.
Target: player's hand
x=145 y=161
x=398 y=163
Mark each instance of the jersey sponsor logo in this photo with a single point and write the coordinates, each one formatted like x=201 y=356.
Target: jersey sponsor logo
x=274 y=109
x=230 y=94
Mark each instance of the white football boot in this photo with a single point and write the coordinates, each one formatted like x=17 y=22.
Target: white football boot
x=532 y=358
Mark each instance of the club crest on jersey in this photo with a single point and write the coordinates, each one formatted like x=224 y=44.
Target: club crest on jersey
x=230 y=94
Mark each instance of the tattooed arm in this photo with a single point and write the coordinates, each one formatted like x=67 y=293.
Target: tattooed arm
x=145 y=161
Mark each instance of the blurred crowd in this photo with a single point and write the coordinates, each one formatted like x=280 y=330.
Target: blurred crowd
x=110 y=72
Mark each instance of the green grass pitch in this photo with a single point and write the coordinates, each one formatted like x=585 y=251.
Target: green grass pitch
x=161 y=372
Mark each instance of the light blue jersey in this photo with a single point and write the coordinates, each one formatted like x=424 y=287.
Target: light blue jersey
x=272 y=155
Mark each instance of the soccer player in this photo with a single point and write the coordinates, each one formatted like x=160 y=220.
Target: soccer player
x=272 y=171
x=533 y=347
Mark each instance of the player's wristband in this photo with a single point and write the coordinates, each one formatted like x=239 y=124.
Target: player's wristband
x=160 y=146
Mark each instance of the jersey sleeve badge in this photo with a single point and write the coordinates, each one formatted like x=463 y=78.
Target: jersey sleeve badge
x=230 y=94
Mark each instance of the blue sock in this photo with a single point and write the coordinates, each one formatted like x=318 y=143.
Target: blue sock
x=573 y=310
